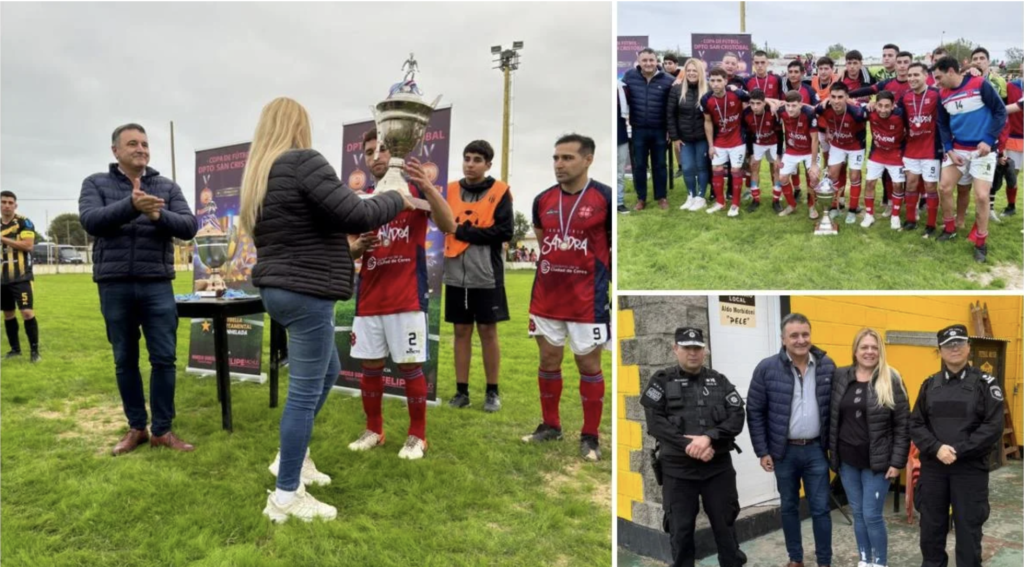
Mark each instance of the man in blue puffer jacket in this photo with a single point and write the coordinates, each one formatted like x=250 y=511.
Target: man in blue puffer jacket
x=647 y=89
x=788 y=418
x=134 y=214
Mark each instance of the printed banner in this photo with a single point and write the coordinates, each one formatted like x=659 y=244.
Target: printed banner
x=711 y=48
x=433 y=153
x=628 y=47
x=218 y=183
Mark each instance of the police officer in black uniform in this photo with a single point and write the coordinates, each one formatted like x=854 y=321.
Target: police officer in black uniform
x=957 y=420
x=695 y=414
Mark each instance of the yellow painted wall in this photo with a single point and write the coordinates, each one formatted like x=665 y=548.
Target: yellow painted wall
x=628 y=436
x=836 y=320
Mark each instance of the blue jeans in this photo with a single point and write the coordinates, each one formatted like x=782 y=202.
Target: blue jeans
x=866 y=492
x=805 y=462
x=126 y=306
x=620 y=173
x=650 y=142
x=313 y=369
x=696 y=174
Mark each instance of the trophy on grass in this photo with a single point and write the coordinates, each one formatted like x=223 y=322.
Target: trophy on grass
x=216 y=245
x=825 y=192
x=401 y=122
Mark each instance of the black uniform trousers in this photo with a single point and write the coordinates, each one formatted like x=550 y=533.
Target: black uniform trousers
x=721 y=504
x=965 y=486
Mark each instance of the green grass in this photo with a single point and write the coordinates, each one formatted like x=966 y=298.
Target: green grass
x=479 y=498
x=685 y=250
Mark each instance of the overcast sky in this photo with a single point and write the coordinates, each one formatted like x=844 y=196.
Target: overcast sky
x=802 y=27
x=70 y=73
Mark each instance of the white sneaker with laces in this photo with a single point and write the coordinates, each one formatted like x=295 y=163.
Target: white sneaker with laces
x=787 y=211
x=689 y=203
x=993 y=216
x=413 y=449
x=308 y=476
x=714 y=208
x=813 y=214
x=868 y=220
x=303 y=507
x=698 y=204
x=734 y=211
x=894 y=223
x=852 y=217
x=368 y=440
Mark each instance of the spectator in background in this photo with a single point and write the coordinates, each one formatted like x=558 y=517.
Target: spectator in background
x=670 y=64
x=685 y=125
x=647 y=92
x=622 y=122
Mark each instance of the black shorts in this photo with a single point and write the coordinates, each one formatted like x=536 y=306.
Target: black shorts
x=16 y=295
x=467 y=306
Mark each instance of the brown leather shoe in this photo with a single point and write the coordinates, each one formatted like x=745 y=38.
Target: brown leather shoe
x=130 y=441
x=639 y=205
x=663 y=203
x=171 y=440
x=794 y=564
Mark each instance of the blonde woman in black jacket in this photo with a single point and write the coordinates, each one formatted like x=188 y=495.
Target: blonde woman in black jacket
x=869 y=440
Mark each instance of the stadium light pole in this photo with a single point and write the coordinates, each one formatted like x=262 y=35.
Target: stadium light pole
x=508 y=61
x=743 y=17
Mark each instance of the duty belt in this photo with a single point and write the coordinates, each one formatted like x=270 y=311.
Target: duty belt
x=803 y=441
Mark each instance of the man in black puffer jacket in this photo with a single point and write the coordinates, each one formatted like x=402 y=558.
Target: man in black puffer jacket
x=647 y=92
x=134 y=214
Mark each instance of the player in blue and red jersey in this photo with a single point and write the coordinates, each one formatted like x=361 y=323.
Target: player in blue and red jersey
x=762 y=128
x=724 y=131
x=570 y=299
x=888 y=132
x=391 y=304
x=845 y=124
x=971 y=119
x=801 y=135
x=920 y=107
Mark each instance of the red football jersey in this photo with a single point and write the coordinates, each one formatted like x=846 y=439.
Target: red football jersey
x=921 y=114
x=799 y=130
x=770 y=84
x=887 y=135
x=574 y=268
x=393 y=276
x=1015 y=121
x=761 y=129
x=846 y=130
x=725 y=114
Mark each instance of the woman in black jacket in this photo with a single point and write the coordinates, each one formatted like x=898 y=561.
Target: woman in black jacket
x=869 y=439
x=300 y=216
x=685 y=124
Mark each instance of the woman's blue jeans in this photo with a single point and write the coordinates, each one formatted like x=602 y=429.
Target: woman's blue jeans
x=313 y=369
x=866 y=492
x=696 y=167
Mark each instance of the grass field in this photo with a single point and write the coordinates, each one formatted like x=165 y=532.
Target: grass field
x=683 y=250
x=479 y=498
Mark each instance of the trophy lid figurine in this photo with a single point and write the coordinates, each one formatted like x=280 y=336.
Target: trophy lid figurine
x=402 y=120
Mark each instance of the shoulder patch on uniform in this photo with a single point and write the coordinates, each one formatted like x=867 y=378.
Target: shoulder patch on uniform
x=734 y=400
x=988 y=378
x=654 y=393
x=996 y=392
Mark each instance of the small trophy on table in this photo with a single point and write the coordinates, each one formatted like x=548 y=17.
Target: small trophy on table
x=401 y=122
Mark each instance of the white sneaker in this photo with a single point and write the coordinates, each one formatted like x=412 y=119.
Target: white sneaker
x=413 y=449
x=868 y=220
x=303 y=507
x=894 y=223
x=309 y=475
x=698 y=204
x=714 y=208
x=813 y=213
x=747 y=195
x=734 y=211
x=833 y=214
x=887 y=212
x=865 y=564
x=787 y=211
x=368 y=440
x=689 y=203
x=852 y=218
x=993 y=216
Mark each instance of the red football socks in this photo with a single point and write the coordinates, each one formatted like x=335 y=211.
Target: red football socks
x=737 y=181
x=416 y=396
x=371 y=383
x=550 y=382
x=718 y=186
x=592 y=394
x=912 y=206
x=931 y=206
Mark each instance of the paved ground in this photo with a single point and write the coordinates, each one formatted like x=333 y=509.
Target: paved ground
x=1003 y=545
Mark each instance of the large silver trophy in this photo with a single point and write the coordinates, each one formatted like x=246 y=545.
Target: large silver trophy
x=825 y=192
x=216 y=244
x=401 y=122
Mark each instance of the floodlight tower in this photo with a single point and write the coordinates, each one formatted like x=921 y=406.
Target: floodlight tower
x=507 y=60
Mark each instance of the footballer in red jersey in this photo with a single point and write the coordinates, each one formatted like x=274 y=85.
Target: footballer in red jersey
x=724 y=130
x=762 y=130
x=845 y=125
x=888 y=132
x=570 y=301
x=391 y=303
x=920 y=107
x=770 y=84
x=800 y=126
x=856 y=76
